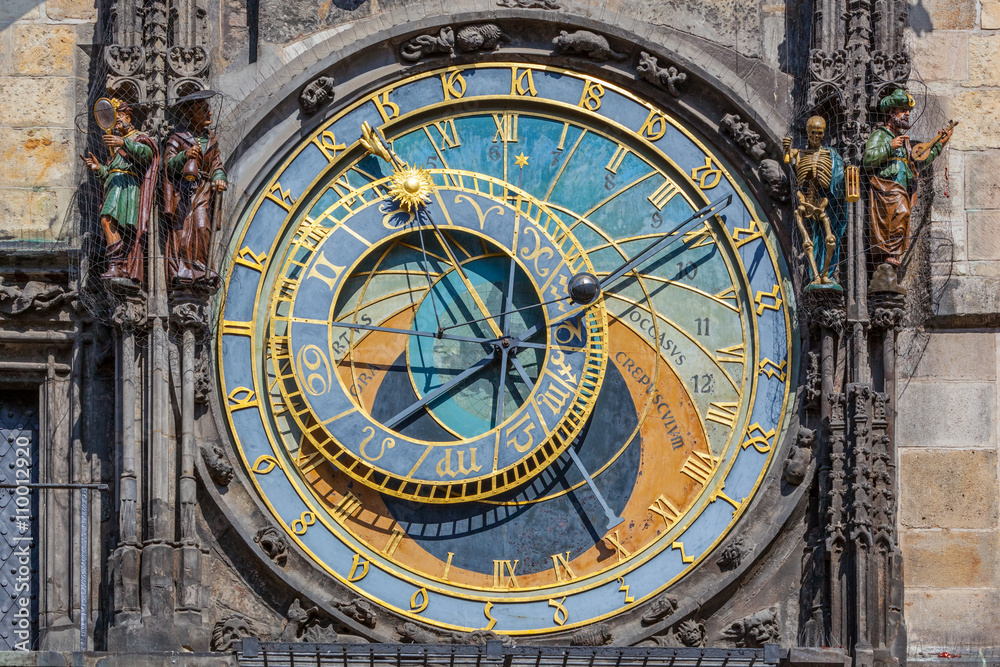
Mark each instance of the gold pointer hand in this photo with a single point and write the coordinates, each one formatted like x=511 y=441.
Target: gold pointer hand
x=411 y=188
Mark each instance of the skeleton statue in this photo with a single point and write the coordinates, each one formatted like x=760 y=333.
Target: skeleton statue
x=819 y=173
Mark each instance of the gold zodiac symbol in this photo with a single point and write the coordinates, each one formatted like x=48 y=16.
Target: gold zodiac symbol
x=264 y=464
x=479 y=212
x=388 y=443
x=539 y=251
x=301 y=525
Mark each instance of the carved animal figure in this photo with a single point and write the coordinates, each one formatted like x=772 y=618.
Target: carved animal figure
x=425 y=45
x=484 y=37
x=660 y=609
x=594 y=635
x=774 y=180
x=586 y=43
x=664 y=77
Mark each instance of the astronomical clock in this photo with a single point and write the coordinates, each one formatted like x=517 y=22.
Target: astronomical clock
x=505 y=347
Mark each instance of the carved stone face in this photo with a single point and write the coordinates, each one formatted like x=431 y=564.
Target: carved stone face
x=229 y=633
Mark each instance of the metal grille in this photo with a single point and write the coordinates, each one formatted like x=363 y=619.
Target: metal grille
x=18 y=521
x=254 y=653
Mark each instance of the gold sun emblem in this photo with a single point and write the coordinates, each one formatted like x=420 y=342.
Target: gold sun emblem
x=411 y=187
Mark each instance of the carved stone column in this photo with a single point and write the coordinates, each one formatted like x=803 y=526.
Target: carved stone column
x=130 y=318
x=189 y=315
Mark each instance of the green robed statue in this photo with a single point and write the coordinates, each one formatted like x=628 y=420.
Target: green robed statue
x=129 y=180
x=893 y=162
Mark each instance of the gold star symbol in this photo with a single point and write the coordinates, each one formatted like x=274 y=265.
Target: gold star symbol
x=521 y=160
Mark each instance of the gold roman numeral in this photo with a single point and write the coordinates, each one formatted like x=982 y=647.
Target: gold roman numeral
x=723 y=413
x=699 y=467
x=663 y=194
x=503 y=574
x=560 y=563
x=506 y=127
x=347 y=506
x=666 y=510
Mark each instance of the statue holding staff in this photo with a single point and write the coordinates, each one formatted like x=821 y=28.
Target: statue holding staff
x=192 y=188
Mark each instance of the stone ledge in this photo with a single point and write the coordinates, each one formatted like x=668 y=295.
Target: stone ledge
x=94 y=659
x=965 y=301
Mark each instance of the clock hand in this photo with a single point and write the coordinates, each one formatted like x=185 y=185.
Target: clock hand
x=657 y=246
x=667 y=239
x=461 y=273
x=447 y=386
x=376 y=144
x=504 y=350
x=613 y=519
x=412 y=332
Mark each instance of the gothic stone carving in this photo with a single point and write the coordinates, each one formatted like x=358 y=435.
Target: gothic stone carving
x=886 y=309
x=360 y=610
x=594 y=635
x=230 y=631
x=529 y=4
x=317 y=92
x=188 y=61
x=306 y=625
x=828 y=72
x=34 y=297
x=744 y=137
x=586 y=44
x=273 y=544
x=411 y=633
x=690 y=632
x=733 y=554
x=889 y=71
x=814 y=383
x=662 y=77
x=774 y=179
x=219 y=469
x=124 y=60
x=662 y=607
x=755 y=630
x=480 y=37
x=798 y=459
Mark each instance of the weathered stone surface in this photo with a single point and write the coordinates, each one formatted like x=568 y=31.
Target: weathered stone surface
x=982 y=187
x=945 y=356
x=728 y=22
x=956 y=414
x=16 y=10
x=984 y=60
x=950 y=559
x=964 y=296
x=36 y=101
x=41 y=49
x=984 y=235
x=936 y=617
x=37 y=157
x=978 y=112
x=33 y=214
x=990 y=14
x=930 y=15
x=948 y=489
x=62 y=10
x=926 y=50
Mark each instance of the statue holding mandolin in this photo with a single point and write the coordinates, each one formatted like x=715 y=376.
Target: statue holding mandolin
x=894 y=165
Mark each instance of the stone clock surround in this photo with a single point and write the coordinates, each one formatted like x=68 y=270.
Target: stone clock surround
x=272 y=121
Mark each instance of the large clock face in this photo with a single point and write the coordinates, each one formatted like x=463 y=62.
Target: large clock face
x=425 y=409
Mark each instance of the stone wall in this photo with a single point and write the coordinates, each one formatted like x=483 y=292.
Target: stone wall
x=947 y=426
x=43 y=75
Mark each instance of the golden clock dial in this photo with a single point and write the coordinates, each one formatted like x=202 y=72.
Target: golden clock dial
x=424 y=407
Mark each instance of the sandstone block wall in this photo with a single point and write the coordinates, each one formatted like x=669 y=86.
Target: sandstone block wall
x=43 y=86
x=947 y=426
